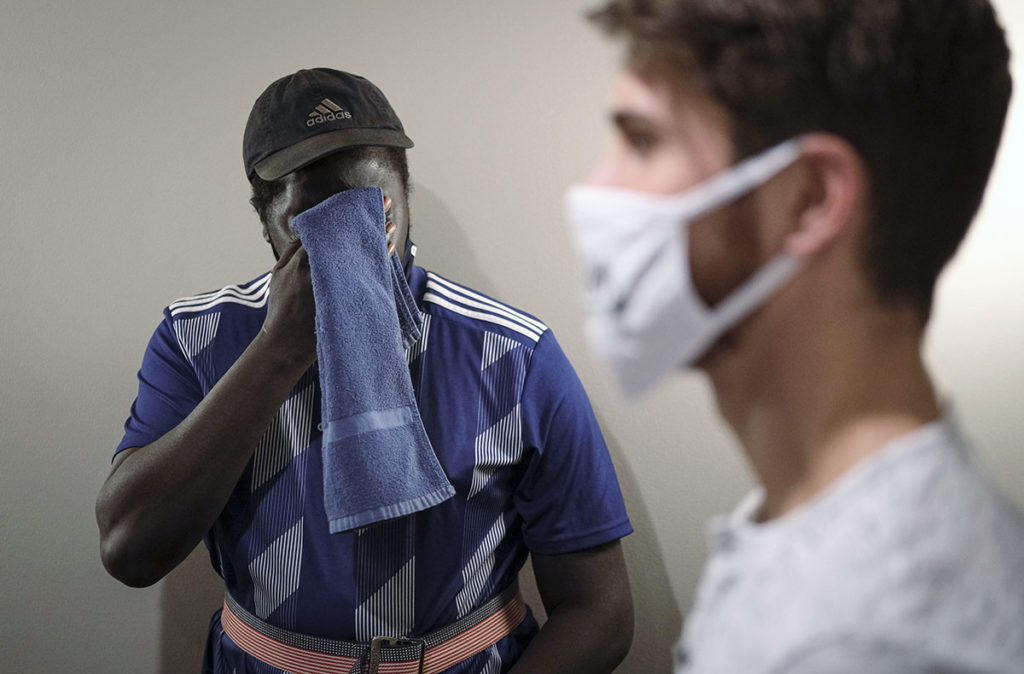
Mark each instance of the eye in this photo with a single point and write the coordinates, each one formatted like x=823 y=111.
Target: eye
x=637 y=133
x=640 y=142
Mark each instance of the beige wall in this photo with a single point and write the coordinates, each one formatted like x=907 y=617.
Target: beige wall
x=122 y=189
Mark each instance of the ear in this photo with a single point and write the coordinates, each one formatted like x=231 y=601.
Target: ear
x=266 y=234
x=836 y=183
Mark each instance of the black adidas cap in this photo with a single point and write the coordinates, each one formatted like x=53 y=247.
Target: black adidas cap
x=312 y=113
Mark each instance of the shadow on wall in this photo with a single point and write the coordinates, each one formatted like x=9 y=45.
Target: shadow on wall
x=657 y=617
x=188 y=597
x=443 y=246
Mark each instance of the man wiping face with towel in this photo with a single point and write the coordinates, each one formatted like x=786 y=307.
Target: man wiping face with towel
x=370 y=451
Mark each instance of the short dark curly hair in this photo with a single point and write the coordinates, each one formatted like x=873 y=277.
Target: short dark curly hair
x=919 y=87
x=264 y=192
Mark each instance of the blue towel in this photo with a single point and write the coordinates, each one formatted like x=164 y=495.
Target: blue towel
x=377 y=459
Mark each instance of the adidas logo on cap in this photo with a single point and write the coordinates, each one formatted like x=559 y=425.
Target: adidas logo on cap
x=327 y=111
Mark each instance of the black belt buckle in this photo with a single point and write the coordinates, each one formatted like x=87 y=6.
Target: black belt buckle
x=380 y=642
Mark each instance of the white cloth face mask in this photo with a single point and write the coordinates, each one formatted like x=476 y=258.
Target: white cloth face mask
x=643 y=314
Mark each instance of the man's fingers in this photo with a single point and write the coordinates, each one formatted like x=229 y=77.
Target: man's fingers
x=389 y=232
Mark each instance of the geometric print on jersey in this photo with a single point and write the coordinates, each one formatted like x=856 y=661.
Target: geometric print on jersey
x=194 y=335
x=385 y=554
x=495 y=346
x=416 y=349
x=414 y=354
x=476 y=573
x=278 y=486
x=386 y=578
x=288 y=434
x=498 y=446
x=275 y=572
x=499 y=440
x=493 y=665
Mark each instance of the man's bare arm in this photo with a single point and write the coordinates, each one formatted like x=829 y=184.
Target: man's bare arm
x=590 y=613
x=160 y=500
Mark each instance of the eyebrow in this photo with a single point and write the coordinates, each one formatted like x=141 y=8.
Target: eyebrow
x=632 y=122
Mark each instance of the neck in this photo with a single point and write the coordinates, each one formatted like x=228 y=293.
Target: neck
x=808 y=413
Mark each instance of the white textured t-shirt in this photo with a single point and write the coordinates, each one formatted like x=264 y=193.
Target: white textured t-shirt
x=910 y=563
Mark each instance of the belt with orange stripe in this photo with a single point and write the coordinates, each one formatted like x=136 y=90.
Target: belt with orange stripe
x=432 y=653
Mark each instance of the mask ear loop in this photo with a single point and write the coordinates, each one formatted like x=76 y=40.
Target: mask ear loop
x=720 y=190
x=756 y=289
x=735 y=181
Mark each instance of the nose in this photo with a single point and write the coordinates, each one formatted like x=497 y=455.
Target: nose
x=604 y=173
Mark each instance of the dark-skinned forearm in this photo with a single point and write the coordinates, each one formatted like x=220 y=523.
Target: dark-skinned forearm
x=590 y=613
x=581 y=640
x=160 y=500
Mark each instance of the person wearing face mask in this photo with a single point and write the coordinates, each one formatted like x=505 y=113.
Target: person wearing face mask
x=267 y=426
x=786 y=182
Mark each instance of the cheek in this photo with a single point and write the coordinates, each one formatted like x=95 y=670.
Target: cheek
x=400 y=217
x=723 y=252
x=277 y=227
x=280 y=235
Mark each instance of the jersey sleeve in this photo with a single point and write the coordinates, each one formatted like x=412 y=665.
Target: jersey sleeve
x=569 y=496
x=168 y=390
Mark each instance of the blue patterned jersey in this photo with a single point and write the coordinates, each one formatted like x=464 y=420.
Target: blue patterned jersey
x=512 y=428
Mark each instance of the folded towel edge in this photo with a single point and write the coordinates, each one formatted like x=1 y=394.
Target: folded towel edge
x=336 y=430
x=390 y=511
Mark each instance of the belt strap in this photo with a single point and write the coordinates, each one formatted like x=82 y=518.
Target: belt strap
x=433 y=653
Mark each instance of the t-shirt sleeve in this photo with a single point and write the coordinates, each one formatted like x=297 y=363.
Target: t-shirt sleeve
x=168 y=390
x=569 y=496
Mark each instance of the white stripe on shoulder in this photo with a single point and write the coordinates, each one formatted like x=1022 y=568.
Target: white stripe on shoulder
x=522 y=329
x=465 y=297
x=255 y=287
x=221 y=300
x=253 y=296
x=504 y=308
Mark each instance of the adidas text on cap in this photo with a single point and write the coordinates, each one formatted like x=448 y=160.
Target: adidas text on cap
x=311 y=114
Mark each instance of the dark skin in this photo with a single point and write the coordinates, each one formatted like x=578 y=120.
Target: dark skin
x=308 y=186
x=160 y=500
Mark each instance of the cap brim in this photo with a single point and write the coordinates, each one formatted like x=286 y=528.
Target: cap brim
x=307 y=151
